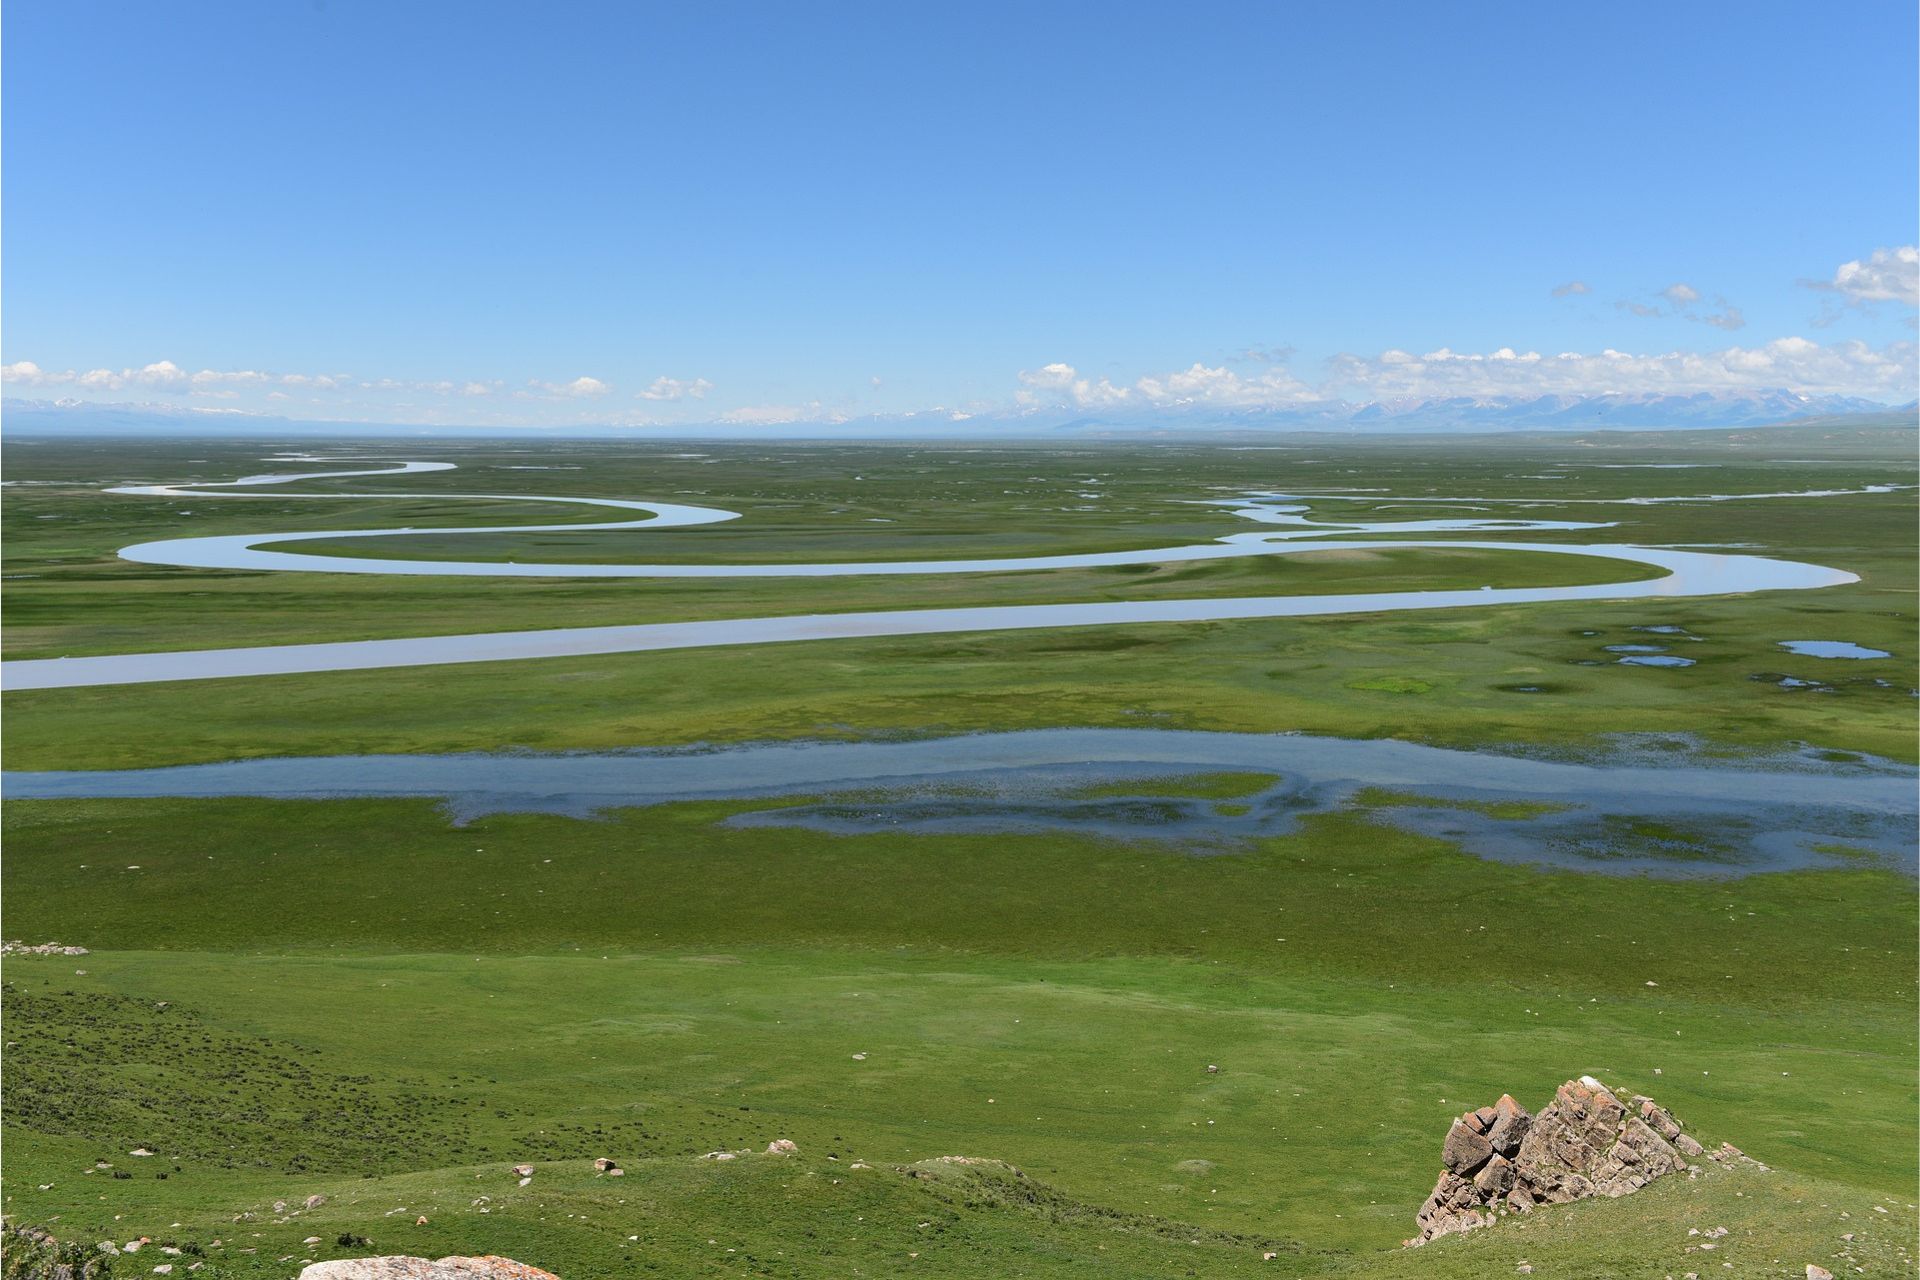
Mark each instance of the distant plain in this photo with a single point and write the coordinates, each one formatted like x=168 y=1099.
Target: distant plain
x=394 y=1008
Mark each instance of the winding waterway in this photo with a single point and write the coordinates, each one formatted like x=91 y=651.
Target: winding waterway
x=1287 y=530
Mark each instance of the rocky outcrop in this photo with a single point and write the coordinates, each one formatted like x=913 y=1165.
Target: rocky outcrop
x=404 y=1268
x=1586 y=1142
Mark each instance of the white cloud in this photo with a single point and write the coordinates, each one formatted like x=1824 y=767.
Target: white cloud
x=1571 y=289
x=767 y=415
x=162 y=375
x=580 y=388
x=1197 y=385
x=1885 y=275
x=1678 y=299
x=1729 y=319
x=166 y=376
x=1795 y=364
x=665 y=388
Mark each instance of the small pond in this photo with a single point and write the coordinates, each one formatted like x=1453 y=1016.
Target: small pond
x=1831 y=649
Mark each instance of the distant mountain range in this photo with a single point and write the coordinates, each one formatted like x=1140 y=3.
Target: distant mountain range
x=1437 y=415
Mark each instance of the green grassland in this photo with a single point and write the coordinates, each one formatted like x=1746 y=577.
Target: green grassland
x=653 y=987
x=362 y=1000
x=1352 y=676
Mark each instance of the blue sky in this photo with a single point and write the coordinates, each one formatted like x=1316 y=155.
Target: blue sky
x=561 y=212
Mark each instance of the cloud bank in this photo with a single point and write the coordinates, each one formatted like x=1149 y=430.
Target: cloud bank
x=1794 y=364
x=1252 y=380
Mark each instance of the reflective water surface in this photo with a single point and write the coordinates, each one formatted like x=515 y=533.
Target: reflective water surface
x=1657 y=807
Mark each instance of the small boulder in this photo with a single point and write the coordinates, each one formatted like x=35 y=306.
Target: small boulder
x=1465 y=1149
x=1495 y=1178
x=1510 y=1124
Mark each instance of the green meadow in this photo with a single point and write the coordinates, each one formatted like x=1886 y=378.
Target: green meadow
x=365 y=1001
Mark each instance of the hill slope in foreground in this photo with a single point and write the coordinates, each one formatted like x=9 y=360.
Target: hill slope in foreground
x=804 y=1215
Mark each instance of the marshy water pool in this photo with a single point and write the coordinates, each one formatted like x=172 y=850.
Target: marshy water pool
x=1831 y=649
x=1658 y=807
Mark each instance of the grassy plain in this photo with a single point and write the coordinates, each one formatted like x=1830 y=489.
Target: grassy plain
x=1460 y=677
x=366 y=1002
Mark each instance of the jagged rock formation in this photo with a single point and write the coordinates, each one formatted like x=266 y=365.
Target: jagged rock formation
x=405 y=1268
x=1586 y=1142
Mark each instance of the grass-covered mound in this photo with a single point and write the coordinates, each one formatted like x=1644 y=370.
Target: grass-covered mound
x=291 y=998
x=806 y=1215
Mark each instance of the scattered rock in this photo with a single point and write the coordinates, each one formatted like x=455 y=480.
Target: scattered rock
x=1817 y=1272
x=40 y=949
x=523 y=1171
x=1586 y=1142
x=400 y=1267
x=782 y=1147
x=314 y=1202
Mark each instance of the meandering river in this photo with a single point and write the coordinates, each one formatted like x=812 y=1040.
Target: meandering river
x=1286 y=529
